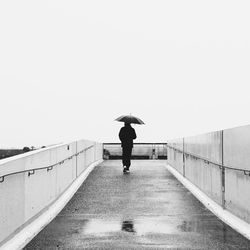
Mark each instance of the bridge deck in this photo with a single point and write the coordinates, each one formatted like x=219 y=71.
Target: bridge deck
x=146 y=209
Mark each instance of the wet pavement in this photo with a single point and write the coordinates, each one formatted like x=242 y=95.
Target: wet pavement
x=146 y=209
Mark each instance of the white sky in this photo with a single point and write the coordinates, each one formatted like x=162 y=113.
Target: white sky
x=69 y=68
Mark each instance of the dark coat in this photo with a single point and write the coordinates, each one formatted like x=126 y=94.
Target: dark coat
x=127 y=135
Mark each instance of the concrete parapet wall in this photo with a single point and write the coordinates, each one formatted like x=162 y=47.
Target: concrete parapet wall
x=218 y=163
x=237 y=183
x=24 y=194
x=206 y=176
x=175 y=158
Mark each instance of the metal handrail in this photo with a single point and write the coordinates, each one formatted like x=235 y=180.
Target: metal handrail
x=245 y=171
x=49 y=168
x=137 y=143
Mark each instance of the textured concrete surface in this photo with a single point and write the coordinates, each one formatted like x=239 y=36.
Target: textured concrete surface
x=146 y=209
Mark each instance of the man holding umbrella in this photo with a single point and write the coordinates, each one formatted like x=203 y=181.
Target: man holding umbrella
x=127 y=135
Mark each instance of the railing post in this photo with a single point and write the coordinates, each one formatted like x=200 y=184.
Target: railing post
x=222 y=171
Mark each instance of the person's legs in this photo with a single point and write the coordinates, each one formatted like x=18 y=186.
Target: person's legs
x=123 y=156
x=128 y=157
x=125 y=159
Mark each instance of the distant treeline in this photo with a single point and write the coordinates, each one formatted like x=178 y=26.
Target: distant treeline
x=4 y=153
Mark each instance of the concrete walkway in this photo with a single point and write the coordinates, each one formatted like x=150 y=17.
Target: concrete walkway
x=146 y=209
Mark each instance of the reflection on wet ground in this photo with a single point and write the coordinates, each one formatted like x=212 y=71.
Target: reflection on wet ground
x=128 y=226
x=149 y=225
x=141 y=226
x=147 y=209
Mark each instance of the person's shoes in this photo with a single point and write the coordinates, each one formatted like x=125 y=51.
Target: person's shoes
x=124 y=169
x=127 y=170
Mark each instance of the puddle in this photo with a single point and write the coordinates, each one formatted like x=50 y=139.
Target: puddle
x=138 y=227
x=96 y=226
x=152 y=226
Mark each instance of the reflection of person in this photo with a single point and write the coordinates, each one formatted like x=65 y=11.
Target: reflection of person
x=127 y=135
x=128 y=226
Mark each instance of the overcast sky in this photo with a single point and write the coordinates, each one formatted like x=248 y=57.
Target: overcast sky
x=69 y=68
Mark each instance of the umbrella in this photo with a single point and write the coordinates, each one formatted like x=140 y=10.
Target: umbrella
x=129 y=119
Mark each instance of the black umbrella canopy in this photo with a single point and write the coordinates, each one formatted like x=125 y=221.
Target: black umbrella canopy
x=129 y=119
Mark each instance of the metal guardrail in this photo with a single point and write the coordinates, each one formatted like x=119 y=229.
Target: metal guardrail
x=143 y=150
x=49 y=168
x=137 y=143
x=207 y=161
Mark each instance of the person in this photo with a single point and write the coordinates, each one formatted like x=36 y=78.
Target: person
x=127 y=135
